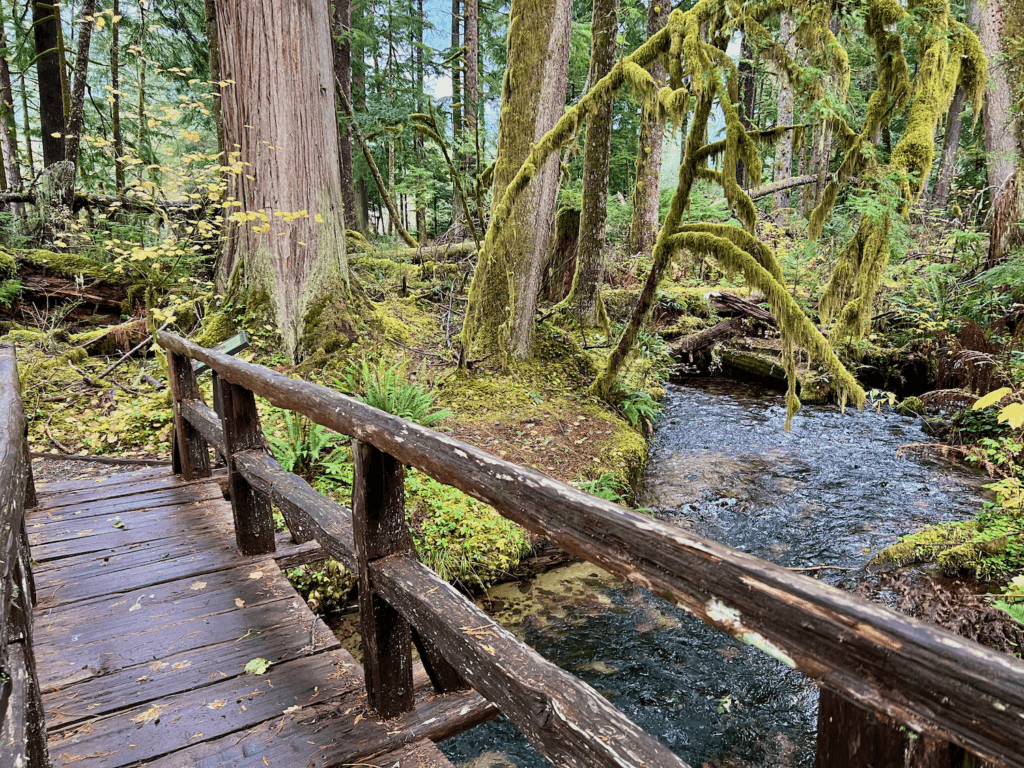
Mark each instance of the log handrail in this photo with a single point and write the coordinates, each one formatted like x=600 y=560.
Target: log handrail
x=940 y=685
x=22 y=722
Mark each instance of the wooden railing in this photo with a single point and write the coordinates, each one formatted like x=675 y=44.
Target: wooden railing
x=943 y=687
x=22 y=723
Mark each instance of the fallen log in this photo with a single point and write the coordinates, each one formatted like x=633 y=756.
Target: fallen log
x=135 y=205
x=723 y=331
x=420 y=254
x=730 y=305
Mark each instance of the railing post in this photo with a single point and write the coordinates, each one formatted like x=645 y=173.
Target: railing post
x=378 y=522
x=193 y=454
x=254 y=519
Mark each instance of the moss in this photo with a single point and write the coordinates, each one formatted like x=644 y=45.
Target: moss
x=911 y=406
x=967 y=557
x=926 y=545
x=217 y=327
x=8 y=266
x=63 y=264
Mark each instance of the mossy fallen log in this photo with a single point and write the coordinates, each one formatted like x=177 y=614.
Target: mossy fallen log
x=812 y=387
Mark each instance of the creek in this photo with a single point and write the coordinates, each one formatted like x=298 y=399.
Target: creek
x=830 y=492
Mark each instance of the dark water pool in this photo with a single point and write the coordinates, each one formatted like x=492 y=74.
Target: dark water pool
x=828 y=493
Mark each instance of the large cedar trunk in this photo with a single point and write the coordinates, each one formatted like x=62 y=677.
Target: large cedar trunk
x=507 y=279
x=471 y=89
x=643 y=228
x=279 y=113
x=51 y=95
x=585 y=295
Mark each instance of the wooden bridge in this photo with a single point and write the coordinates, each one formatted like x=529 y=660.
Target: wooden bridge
x=152 y=624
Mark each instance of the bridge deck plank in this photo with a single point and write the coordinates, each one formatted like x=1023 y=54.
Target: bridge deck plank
x=143 y=632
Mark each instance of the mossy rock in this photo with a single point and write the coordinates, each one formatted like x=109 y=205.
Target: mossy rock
x=911 y=406
x=619 y=302
x=681 y=327
x=815 y=389
x=8 y=266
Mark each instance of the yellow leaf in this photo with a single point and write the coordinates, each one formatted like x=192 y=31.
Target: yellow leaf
x=990 y=399
x=148 y=716
x=198 y=585
x=239 y=602
x=1013 y=414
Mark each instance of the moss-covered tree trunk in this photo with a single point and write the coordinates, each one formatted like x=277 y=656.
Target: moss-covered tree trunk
x=286 y=240
x=784 y=146
x=471 y=89
x=585 y=295
x=503 y=295
x=643 y=228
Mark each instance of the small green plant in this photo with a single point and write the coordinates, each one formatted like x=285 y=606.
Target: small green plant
x=636 y=406
x=303 y=443
x=325 y=585
x=387 y=388
x=607 y=487
x=10 y=292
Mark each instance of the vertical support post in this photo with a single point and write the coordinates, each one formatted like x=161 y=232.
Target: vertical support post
x=193 y=452
x=20 y=629
x=30 y=486
x=254 y=520
x=218 y=405
x=378 y=522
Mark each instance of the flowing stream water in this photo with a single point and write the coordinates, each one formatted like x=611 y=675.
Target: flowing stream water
x=830 y=492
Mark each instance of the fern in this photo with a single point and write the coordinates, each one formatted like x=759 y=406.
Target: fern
x=300 y=449
x=10 y=292
x=387 y=389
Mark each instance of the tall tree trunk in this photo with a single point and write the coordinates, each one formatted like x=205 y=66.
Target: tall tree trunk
x=343 y=71
x=280 y=112
x=748 y=88
x=784 y=146
x=471 y=85
x=51 y=95
x=643 y=228
x=457 y=100
x=210 y=12
x=115 y=104
x=62 y=54
x=503 y=295
x=358 y=61
x=76 y=117
x=585 y=295
x=421 y=155
x=1002 y=138
x=8 y=133
x=950 y=147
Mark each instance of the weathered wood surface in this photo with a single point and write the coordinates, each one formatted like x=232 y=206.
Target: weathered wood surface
x=254 y=520
x=938 y=684
x=203 y=418
x=191 y=449
x=564 y=718
x=688 y=345
x=22 y=732
x=146 y=660
x=378 y=521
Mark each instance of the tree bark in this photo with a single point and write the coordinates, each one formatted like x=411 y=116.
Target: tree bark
x=950 y=147
x=51 y=95
x=8 y=133
x=1002 y=137
x=471 y=86
x=585 y=295
x=507 y=279
x=343 y=71
x=210 y=11
x=421 y=157
x=784 y=146
x=76 y=117
x=748 y=88
x=115 y=104
x=280 y=112
x=643 y=228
